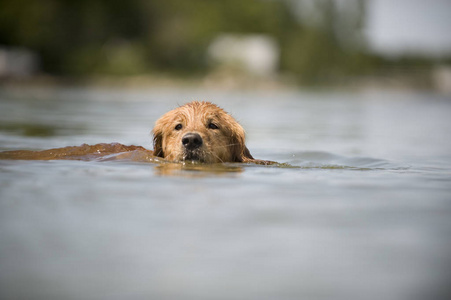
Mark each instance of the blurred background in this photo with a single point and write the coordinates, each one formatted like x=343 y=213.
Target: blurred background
x=296 y=42
x=352 y=96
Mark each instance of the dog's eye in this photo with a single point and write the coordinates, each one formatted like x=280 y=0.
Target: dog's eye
x=212 y=126
x=178 y=127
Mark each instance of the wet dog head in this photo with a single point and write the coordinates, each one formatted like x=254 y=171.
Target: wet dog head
x=200 y=131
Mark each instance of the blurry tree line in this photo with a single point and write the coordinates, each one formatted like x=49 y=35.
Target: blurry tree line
x=318 y=39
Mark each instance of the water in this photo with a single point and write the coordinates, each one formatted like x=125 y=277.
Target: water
x=360 y=209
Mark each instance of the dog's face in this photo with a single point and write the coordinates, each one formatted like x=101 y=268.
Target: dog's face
x=199 y=131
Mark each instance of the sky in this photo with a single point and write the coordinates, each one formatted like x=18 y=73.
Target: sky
x=409 y=26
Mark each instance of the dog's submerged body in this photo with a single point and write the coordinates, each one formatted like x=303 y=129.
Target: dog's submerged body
x=196 y=131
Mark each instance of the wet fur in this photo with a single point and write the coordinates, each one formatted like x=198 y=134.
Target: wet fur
x=223 y=142
x=226 y=143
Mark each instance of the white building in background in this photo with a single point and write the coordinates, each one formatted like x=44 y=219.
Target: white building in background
x=255 y=54
x=18 y=62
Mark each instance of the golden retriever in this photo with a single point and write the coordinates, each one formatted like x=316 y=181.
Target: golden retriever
x=200 y=131
x=197 y=131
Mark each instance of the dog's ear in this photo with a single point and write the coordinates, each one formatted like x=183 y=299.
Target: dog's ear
x=158 y=141
x=246 y=154
x=240 y=153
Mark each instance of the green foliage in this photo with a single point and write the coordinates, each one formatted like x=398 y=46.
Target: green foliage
x=85 y=37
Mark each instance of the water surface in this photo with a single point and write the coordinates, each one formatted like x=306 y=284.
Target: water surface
x=359 y=208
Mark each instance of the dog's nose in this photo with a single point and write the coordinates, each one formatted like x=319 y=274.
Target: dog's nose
x=192 y=141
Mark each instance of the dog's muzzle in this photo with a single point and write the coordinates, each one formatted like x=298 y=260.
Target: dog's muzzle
x=191 y=143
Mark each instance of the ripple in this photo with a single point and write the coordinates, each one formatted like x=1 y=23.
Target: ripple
x=331 y=161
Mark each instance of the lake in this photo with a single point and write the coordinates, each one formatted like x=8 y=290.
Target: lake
x=359 y=209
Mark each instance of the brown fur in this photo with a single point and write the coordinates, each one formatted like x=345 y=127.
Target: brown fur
x=226 y=143
x=222 y=140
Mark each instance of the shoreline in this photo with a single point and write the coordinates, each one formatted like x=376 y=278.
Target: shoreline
x=418 y=82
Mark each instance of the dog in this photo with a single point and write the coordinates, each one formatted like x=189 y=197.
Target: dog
x=200 y=131
x=195 y=132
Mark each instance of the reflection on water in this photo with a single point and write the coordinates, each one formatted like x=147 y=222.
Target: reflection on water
x=122 y=153
x=358 y=206
x=193 y=169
